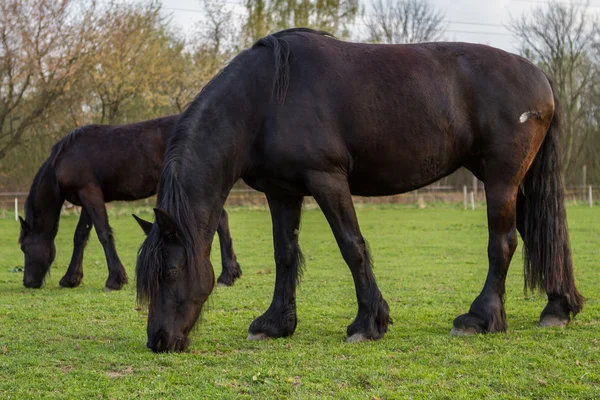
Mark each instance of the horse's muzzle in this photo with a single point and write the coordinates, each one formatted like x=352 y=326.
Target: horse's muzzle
x=32 y=283
x=162 y=342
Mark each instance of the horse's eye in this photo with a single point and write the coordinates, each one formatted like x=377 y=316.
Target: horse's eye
x=171 y=273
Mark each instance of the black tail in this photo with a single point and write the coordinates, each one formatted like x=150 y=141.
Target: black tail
x=543 y=223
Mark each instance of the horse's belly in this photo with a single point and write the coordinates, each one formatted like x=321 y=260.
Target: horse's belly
x=394 y=177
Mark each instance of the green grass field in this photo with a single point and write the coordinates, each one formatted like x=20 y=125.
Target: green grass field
x=430 y=264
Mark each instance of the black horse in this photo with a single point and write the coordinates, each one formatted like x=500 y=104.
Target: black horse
x=301 y=113
x=91 y=166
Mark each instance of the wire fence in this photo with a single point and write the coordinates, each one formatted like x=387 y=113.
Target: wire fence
x=12 y=203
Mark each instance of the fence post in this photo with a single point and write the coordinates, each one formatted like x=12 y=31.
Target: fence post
x=16 y=209
x=584 y=181
x=472 y=201
x=465 y=196
x=591 y=200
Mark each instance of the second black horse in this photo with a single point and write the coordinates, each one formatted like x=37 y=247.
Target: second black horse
x=89 y=167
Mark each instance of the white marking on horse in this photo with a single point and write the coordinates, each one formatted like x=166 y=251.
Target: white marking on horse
x=526 y=115
x=257 y=336
x=357 y=337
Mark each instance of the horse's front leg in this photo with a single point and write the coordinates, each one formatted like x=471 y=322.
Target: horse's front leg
x=487 y=311
x=93 y=200
x=332 y=193
x=280 y=319
x=74 y=273
x=230 y=268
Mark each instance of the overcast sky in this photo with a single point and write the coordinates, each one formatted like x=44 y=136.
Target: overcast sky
x=478 y=21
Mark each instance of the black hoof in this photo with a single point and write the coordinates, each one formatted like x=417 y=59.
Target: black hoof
x=370 y=327
x=257 y=336
x=273 y=325
x=552 y=321
x=229 y=275
x=116 y=282
x=470 y=324
x=467 y=324
x=70 y=281
x=556 y=313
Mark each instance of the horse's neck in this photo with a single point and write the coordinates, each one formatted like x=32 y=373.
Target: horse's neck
x=47 y=203
x=208 y=193
x=167 y=125
x=216 y=130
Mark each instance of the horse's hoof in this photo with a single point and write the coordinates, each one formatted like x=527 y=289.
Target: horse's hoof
x=69 y=283
x=221 y=284
x=463 y=332
x=357 y=337
x=552 y=321
x=257 y=336
x=109 y=286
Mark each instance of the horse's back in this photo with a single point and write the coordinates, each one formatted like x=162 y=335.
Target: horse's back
x=124 y=161
x=398 y=117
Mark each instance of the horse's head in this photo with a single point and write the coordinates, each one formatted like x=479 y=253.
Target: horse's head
x=39 y=252
x=174 y=282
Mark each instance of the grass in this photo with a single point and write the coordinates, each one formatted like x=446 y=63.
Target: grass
x=430 y=264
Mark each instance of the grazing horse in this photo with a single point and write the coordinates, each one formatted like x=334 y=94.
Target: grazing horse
x=303 y=114
x=89 y=167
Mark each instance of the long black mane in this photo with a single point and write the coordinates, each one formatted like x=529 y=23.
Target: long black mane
x=172 y=199
x=46 y=176
x=63 y=143
x=281 y=52
x=44 y=184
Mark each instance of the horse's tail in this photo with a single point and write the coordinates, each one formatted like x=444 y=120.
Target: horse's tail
x=543 y=223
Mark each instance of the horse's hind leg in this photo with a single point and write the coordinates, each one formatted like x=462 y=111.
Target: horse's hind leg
x=280 y=319
x=332 y=193
x=93 y=201
x=74 y=273
x=230 y=268
x=487 y=311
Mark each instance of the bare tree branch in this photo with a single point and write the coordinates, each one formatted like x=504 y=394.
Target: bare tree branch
x=559 y=38
x=404 y=21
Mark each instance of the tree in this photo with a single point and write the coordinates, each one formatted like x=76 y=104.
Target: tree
x=589 y=152
x=213 y=45
x=267 y=16
x=135 y=54
x=404 y=21
x=43 y=46
x=559 y=38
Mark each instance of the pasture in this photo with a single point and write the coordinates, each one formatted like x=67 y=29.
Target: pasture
x=430 y=264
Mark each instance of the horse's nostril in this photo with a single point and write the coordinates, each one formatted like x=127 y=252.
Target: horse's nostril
x=159 y=343
x=181 y=344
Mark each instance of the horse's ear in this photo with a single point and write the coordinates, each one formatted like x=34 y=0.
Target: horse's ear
x=146 y=225
x=165 y=224
x=24 y=225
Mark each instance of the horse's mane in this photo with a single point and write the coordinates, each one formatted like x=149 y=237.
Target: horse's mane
x=172 y=199
x=29 y=202
x=50 y=196
x=291 y=31
x=46 y=171
x=281 y=51
x=64 y=143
